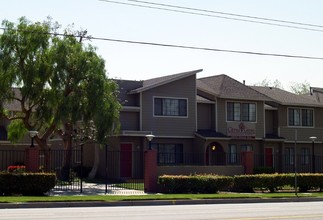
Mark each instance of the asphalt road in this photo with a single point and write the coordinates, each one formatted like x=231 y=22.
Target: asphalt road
x=251 y=211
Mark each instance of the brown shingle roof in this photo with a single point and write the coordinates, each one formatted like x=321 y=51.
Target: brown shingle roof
x=223 y=86
x=151 y=83
x=287 y=98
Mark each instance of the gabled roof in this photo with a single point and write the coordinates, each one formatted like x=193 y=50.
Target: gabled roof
x=317 y=93
x=125 y=86
x=223 y=86
x=287 y=98
x=152 y=83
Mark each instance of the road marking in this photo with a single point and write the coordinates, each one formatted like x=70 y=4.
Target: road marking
x=279 y=217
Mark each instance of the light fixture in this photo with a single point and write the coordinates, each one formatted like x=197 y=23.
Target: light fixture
x=32 y=134
x=150 y=138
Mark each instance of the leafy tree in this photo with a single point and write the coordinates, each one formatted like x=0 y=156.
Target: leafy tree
x=268 y=83
x=300 y=88
x=297 y=88
x=57 y=80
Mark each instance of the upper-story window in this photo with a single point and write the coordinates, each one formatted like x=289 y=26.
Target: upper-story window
x=170 y=107
x=237 y=111
x=300 y=117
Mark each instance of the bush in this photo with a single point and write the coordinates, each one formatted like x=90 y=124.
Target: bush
x=244 y=183
x=26 y=183
x=194 y=183
x=273 y=182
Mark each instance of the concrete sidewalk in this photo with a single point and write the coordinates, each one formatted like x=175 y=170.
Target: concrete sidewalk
x=96 y=189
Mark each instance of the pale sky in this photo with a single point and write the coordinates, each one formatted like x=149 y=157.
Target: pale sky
x=139 y=62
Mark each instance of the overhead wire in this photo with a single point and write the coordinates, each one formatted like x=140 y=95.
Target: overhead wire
x=230 y=14
x=217 y=16
x=176 y=46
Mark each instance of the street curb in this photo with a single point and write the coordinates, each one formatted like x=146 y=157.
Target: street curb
x=151 y=202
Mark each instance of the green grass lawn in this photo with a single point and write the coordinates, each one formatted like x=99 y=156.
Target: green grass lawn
x=113 y=198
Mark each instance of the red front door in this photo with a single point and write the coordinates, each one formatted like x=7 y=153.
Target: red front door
x=125 y=160
x=269 y=157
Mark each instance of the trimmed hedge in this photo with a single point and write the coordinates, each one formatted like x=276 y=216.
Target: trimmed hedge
x=240 y=183
x=274 y=182
x=26 y=183
x=194 y=183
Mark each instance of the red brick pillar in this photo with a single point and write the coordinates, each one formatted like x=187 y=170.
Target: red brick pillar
x=247 y=161
x=150 y=176
x=32 y=159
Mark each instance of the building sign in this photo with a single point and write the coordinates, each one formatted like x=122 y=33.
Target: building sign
x=241 y=129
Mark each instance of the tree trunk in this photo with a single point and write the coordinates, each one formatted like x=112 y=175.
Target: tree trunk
x=96 y=162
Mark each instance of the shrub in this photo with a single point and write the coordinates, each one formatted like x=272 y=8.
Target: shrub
x=244 y=183
x=16 y=168
x=194 y=183
x=26 y=183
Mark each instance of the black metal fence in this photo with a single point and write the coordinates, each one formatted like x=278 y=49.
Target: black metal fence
x=11 y=157
x=279 y=163
x=288 y=163
x=123 y=171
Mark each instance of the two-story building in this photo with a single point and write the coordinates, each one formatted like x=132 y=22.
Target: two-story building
x=205 y=125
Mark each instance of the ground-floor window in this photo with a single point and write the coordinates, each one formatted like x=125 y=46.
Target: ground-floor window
x=233 y=157
x=169 y=153
x=289 y=155
x=305 y=156
x=246 y=147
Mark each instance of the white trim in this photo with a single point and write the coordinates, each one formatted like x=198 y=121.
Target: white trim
x=250 y=102
x=300 y=126
x=170 y=116
x=130 y=108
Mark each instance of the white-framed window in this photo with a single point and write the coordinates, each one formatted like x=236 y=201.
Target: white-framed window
x=301 y=117
x=170 y=107
x=237 y=111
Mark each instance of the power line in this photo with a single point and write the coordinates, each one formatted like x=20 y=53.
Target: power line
x=215 y=16
x=176 y=46
x=230 y=14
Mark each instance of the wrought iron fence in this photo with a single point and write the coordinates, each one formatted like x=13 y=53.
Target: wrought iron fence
x=198 y=159
x=288 y=163
x=11 y=157
x=124 y=171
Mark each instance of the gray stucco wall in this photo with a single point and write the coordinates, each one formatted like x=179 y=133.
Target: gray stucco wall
x=165 y=125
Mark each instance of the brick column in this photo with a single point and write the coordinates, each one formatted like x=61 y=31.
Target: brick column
x=150 y=176
x=247 y=161
x=32 y=159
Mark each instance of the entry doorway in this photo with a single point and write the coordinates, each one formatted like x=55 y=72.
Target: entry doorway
x=215 y=154
x=269 y=157
x=126 y=160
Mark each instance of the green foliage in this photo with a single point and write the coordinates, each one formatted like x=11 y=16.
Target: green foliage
x=274 y=182
x=26 y=183
x=57 y=81
x=16 y=131
x=300 y=88
x=194 y=183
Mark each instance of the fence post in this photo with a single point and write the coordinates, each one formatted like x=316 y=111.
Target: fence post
x=150 y=176
x=247 y=161
x=32 y=159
